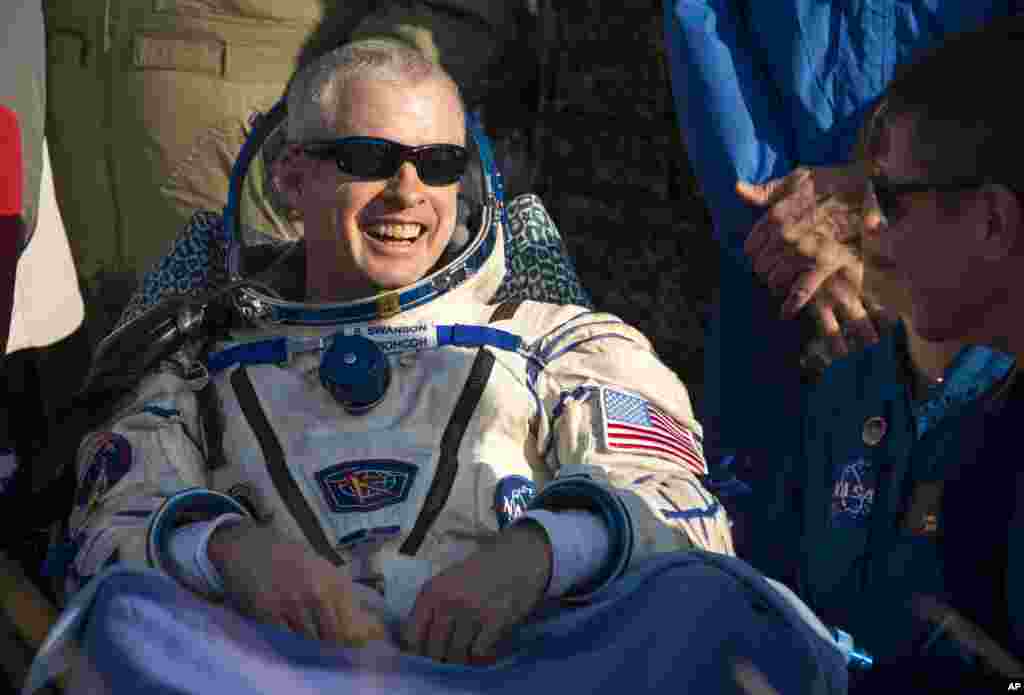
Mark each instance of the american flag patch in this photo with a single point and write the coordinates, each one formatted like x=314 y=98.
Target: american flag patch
x=631 y=424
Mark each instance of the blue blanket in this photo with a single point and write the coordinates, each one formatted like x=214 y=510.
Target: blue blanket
x=684 y=623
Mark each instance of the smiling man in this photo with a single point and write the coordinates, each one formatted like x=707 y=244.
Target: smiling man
x=950 y=188
x=404 y=437
x=369 y=448
x=384 y=228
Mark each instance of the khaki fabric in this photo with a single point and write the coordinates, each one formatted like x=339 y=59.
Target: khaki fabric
x=47 y=303
x=147 y=112
x=149 y=103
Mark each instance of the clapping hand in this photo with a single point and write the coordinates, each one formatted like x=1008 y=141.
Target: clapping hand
x=806 y=247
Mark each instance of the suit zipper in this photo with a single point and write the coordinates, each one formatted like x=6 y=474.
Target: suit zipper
x=277 y=468
x=451 y=440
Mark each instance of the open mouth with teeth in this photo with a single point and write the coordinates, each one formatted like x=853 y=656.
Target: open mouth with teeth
x=400 y=234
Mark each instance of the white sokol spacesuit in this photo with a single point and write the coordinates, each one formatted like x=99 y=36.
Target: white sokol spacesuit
x=397 y=434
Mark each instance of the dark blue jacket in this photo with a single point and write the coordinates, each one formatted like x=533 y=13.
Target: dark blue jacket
x=885 y=501
x=760 y=88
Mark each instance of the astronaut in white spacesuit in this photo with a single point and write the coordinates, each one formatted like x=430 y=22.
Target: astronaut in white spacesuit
x=367 y=417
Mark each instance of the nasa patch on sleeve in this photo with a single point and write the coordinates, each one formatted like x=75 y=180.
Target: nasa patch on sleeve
x=110 y=459
x=512 y=496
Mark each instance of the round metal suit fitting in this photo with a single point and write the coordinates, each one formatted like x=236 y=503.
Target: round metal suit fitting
x=356 y=372
x=190 y=319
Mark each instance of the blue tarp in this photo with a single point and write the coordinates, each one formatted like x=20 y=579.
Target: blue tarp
x=684 y=623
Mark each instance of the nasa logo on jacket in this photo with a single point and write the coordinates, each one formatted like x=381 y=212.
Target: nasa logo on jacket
x=853 y=492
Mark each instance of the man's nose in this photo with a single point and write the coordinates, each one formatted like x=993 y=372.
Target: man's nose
x=406 y=186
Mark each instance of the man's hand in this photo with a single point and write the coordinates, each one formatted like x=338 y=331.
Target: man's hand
x=806 y=247
x=462 y=612
x=272 y=578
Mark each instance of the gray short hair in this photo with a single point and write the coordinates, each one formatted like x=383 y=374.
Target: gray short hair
x=314 y=92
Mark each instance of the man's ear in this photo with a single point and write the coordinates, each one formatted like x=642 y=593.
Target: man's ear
x=1004 y=226
x=291 y=172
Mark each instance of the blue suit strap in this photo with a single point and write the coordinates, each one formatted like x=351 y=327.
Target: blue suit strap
x=477 y=336
x=271 y=351
x=276 y=350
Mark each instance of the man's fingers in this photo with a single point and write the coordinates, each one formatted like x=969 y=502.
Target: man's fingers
x=776 y=248
x=788 y=269
x=848 y=303
x=767 y=231
x=416 y=630
x=331 y=623
x=326 y=608
x=804 y=290
x=767 y=193
x=300 y=620
x=826 y=258
x=828 y=325
x=863 y=329
x=766 y=260
x=754 y=244
x=786 y=223
x=346 y=622
x=441 y=628
x=483 y=648
x=462 y=639
x=764 y=195
x=359 y=625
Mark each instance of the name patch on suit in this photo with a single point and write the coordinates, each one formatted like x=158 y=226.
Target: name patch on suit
x=366 y=486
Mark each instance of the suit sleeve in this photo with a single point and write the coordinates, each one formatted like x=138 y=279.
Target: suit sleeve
x=731 y=119
x=140 y=477
x=599 y=382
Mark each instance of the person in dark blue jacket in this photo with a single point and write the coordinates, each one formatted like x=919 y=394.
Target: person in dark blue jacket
x=862 y=496
x=951 y=191
x=762 y=88
x=903 y=490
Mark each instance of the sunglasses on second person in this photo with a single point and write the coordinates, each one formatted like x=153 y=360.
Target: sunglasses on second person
x=888 y=193
x=376 y=158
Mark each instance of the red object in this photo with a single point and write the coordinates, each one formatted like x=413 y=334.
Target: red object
x=11 y=177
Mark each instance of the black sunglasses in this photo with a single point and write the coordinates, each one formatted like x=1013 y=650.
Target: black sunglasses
x=886 y=192
x=376 y=158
